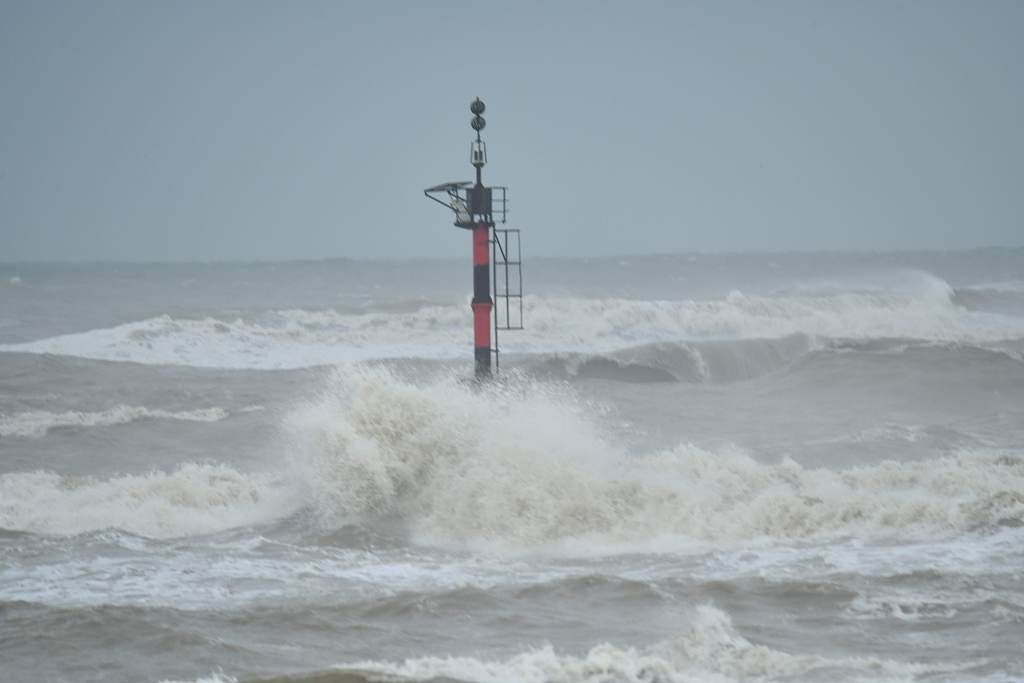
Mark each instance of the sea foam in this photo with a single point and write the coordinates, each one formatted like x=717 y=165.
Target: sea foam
x=920 y=307
x=518 y=466
x=193 y=499
x=525 y=465
x=709 y=649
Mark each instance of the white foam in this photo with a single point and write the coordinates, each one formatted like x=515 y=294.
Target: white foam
x=711 y=650
x=279 y=343
x=523 y=466
x=231 y=575
x=194 y=499
x=918 y=307
x=39 y=422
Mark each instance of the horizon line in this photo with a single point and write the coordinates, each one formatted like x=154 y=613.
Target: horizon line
x=411 y=259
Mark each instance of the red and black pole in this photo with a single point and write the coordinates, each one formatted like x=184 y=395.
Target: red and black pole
x=481 y=210
x=475 y=211
x=482 y=302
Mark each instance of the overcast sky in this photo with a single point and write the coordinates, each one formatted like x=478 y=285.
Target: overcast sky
x=250 y=130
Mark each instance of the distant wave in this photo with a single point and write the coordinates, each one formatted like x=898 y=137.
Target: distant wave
x=741 y=359
x=289 y=339
x=998 y=297
x=523 y=467
x=39 y=422
x=1016 y=286
x=920 y=307
x=697 y=361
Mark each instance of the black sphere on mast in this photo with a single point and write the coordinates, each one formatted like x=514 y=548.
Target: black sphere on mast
x=478 y=152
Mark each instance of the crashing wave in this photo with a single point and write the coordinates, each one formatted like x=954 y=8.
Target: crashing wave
x=194 y=499
x=525 y=466
x=520 y=465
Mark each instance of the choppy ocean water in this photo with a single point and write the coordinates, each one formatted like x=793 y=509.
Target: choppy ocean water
x=780 y=467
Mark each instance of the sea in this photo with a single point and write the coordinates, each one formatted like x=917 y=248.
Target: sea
x=689 y=467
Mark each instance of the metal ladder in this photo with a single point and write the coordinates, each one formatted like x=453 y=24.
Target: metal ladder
x=507 y=257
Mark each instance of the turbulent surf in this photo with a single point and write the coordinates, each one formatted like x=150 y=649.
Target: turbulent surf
x=712 y=468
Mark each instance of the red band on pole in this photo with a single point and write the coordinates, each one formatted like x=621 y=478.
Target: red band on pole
x=482 y=326
x=481 y=257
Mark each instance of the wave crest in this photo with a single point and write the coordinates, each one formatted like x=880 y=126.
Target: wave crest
x=699 y=361
x=918 y=306
x=194 y=499
x=521 y=465
x=710 y=649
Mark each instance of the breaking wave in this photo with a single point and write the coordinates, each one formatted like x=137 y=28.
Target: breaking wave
x=194 y=499
x=519 y=466
x=918 y=307
x=709 y=649
x=39 y=422
x=526 y=466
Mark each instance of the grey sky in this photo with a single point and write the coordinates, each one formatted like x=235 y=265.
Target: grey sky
x=247 y=130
